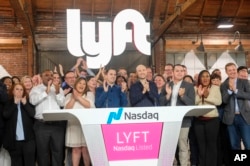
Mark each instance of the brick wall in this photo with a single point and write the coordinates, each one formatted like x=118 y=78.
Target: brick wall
x=14 y=61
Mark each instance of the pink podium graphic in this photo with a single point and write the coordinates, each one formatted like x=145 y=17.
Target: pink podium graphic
x=130 y=136
x=132 y=141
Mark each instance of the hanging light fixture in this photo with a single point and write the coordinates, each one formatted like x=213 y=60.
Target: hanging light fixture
x=201 y=47
x=239 y=47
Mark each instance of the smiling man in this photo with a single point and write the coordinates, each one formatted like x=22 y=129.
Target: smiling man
x=143 y=93
x=110 y=94
x=236 y=95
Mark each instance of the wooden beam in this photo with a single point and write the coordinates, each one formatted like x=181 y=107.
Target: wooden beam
x=23 y=17
x=30 y=57
x=165 y=25
x=8 y=43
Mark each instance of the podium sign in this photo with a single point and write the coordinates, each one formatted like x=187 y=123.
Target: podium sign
x=132 y=135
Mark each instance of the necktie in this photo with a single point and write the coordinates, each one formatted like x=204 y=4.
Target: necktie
x=19 y=125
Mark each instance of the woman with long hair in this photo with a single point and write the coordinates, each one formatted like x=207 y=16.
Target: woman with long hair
x=206 y=127
x=83 y=99
x=27 y=82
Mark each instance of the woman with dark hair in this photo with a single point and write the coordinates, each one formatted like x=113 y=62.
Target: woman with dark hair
x=119 y=80
x=92 y=83
x=8 y=82
x=206 y=127
x=160 y=83
x=19 y=137
x=80 y=98
x=15 y=79
x=189 y=79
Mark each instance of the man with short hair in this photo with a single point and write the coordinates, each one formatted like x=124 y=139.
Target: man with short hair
x=69 y=81
x=236 y=95
x=49 y=134
x=180 y=93
x=168 y=72
x=143 y=93
x=110 y=94
x=122 y=72
x=150 y=74
x=242 y=72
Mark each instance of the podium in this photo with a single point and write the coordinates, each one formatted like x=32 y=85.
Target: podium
x=130 y=136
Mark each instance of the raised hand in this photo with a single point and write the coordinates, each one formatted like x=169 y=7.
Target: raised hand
x=231 y=84
x=124 y=86
x=200 y=90
x=181 y=92
x=206 y=92
x=24 y=100
x=48 y=86
x=105 y=86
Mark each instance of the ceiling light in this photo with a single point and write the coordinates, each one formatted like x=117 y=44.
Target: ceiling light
x=228 y=25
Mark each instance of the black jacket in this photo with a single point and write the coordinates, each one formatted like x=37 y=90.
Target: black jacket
x=10 y=115
x=3 y=100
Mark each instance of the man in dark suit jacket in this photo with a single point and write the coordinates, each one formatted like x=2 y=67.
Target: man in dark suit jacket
x=236 y=96
x=180 y=93
x=143 y=93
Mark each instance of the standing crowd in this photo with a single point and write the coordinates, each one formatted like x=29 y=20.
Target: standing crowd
x=205 y=140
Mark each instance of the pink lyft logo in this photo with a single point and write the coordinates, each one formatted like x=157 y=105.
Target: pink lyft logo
x=112 y=38
x=132 y=141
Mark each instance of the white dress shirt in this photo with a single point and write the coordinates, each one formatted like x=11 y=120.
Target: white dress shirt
x=43 y=101
x=175 y=93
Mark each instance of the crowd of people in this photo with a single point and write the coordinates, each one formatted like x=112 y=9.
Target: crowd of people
x=205 y=140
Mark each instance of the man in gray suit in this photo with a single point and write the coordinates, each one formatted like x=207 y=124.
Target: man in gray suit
x=180 y=93
x=236 y=95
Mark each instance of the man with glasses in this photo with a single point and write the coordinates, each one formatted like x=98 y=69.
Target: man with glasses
x=69 y=81
x=168 y=72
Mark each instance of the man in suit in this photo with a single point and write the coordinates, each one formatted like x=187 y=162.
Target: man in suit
x=111 y=95
x=236 y=95
x=143 y=93
x=180 y=93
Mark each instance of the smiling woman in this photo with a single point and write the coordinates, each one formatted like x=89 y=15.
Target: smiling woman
x=80 y=98
x=206 y=127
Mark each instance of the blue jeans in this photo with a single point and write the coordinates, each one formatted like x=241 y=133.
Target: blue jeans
x=237 y=131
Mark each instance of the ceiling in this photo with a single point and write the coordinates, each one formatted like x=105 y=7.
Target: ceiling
x=45 y=20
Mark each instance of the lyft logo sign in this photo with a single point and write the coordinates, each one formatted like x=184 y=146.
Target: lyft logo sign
x=112 y=38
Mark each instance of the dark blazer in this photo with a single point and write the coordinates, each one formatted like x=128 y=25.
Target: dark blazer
x=242 y=95
x=114 y=97
x=10 y=116
x=187 y=99
x=137 y=99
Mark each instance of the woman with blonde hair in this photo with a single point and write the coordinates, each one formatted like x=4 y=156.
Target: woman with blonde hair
x=27 y=82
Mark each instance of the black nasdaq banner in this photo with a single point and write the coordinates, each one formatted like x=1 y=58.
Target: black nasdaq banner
x=240 y=158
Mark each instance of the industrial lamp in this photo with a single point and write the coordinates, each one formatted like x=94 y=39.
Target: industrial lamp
x=239 y=47
x=201 y=47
